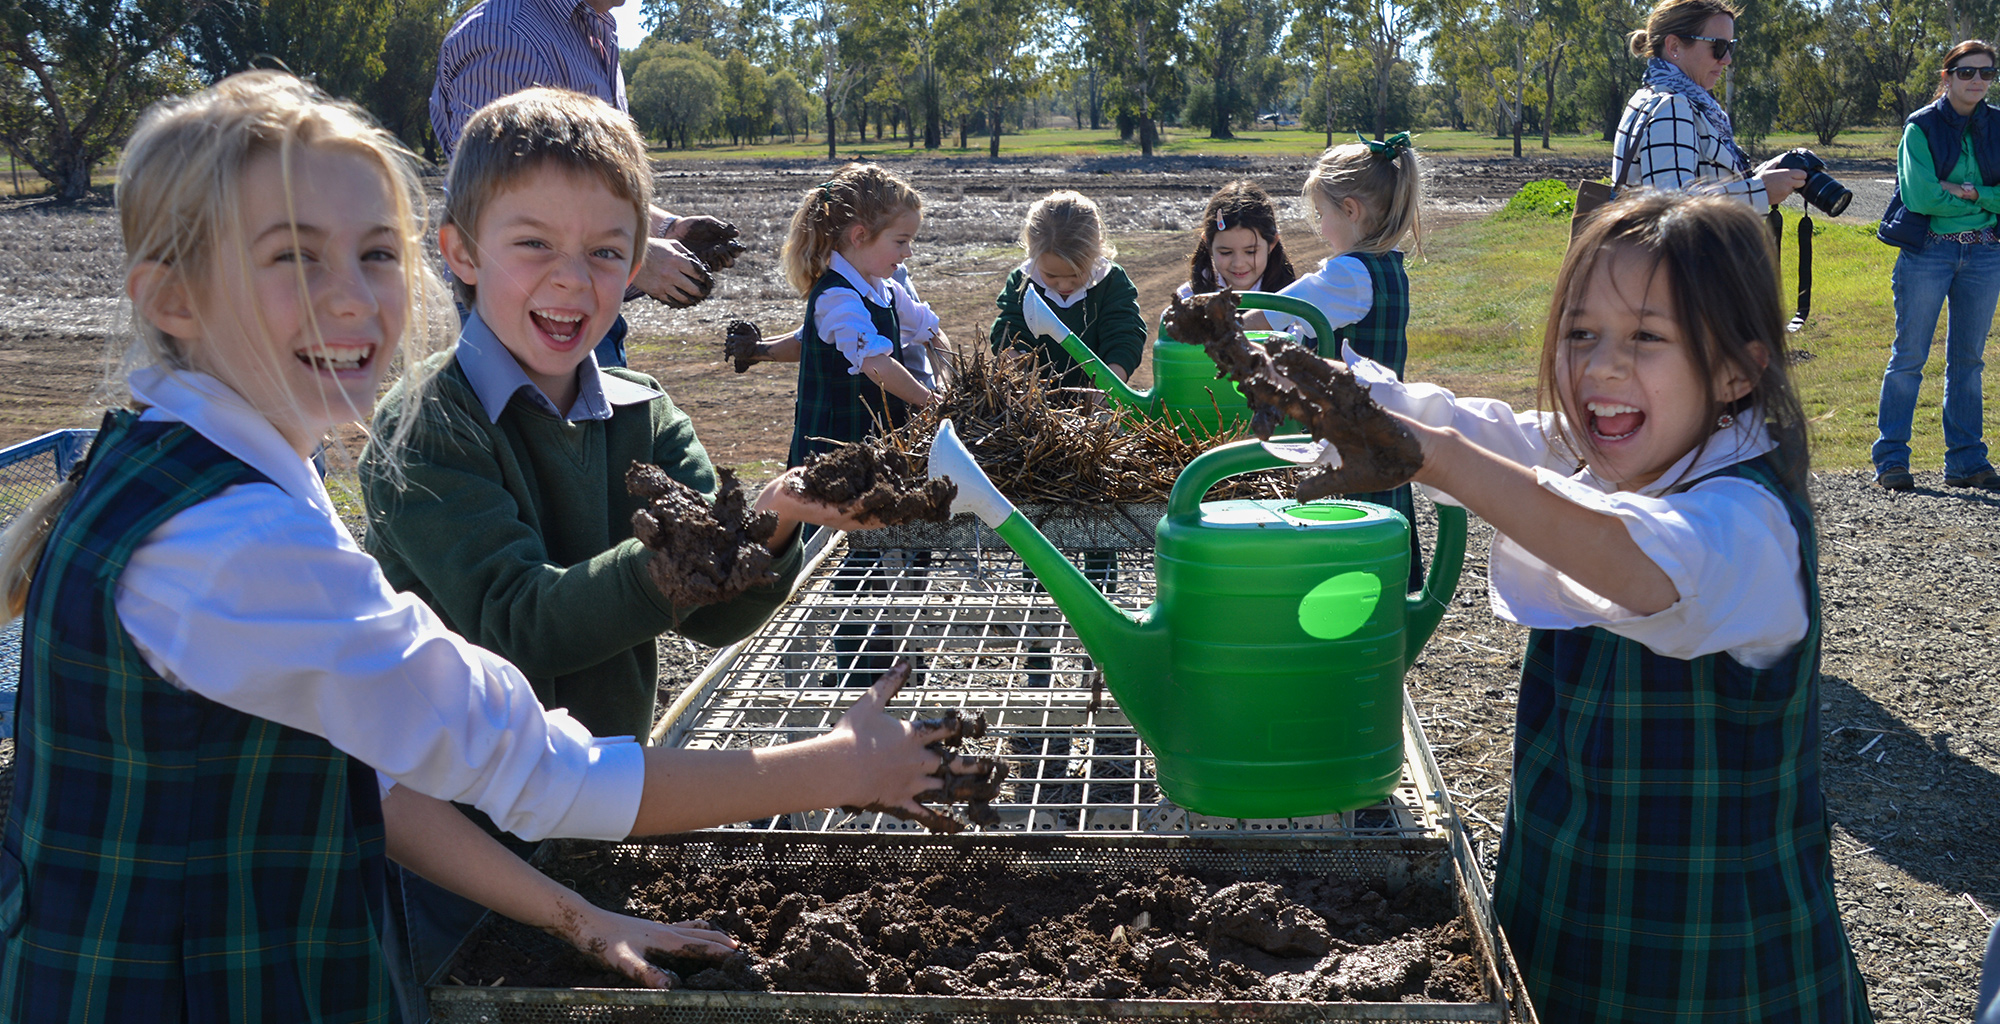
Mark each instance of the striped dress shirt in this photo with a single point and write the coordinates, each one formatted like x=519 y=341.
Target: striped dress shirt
x=504 y=46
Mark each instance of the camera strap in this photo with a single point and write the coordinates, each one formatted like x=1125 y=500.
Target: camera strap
x=1775 y=220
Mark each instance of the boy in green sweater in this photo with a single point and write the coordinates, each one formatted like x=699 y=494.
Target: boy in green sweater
x=503 y=504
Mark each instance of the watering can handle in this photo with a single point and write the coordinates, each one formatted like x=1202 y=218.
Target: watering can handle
x=1220 y=463
x=1295 y=307
x=1426 y=607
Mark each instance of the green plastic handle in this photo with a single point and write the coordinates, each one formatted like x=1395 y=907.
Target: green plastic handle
x=1218 y=464
x=1322 y=331
x=1426 y=608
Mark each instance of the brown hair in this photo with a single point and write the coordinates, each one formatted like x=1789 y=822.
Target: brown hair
x=1068 y=226
x=863 y=194
x=1240 y=204
x=1389 y=188
x=1960 y=52
x=1681 y=18
x=516 y=135
x=1719 y=262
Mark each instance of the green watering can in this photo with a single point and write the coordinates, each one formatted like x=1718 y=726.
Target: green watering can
x=1186 y=391
x=1268 y=676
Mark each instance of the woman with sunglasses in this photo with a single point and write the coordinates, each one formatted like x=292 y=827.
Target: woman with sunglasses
x=1674 y=135
x=1947 y=169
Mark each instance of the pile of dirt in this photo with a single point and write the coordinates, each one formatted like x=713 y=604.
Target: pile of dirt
x=879 y=482
x=702 y=554
x=991 y=929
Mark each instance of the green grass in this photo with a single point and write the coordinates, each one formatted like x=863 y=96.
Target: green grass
x=1481 y=293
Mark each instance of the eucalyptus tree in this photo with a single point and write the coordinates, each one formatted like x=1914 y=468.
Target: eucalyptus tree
x=818 y=25
x=700 y=22
x=1381 y=30
x=338 y=43
x=1232 y=40
x=1142 y=40
x=1899 y=44
x=74 y=75
x=989 y=41
x=1316 y=39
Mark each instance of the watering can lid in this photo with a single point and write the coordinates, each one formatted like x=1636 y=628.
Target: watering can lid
x=1270 y=513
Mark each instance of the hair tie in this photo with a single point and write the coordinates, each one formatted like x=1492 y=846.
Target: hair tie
x=1389 y=149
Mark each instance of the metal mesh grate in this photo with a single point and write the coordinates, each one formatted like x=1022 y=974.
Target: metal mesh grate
x=986 y=638
x=26 y=470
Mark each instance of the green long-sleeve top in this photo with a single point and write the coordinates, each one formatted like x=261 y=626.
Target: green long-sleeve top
x=518 y=532
x=1916 y=176
x=1108 y=321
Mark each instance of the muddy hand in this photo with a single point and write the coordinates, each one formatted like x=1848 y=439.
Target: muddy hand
x=672 y=274
x=739 y=342
x=712 y=241
x=973 y=781
x=623 y=942
x=1283 y=379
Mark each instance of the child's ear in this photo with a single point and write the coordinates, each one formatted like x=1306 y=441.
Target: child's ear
x=1738 y=381
x=161 y=297
x=457 y=248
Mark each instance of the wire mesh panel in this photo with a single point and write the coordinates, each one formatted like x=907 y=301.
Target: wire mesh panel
x=985 y=638
x=26 y=470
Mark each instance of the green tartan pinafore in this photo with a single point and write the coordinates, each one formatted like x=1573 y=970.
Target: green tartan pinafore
x=1666 y=852
x=167 y=858
x=833 y=404
x=1382 y=336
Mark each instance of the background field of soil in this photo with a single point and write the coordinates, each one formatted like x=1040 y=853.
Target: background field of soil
x=1911 y=751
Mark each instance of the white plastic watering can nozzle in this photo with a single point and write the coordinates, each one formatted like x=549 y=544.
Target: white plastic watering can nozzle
x=976 y=493
x=1041 y=319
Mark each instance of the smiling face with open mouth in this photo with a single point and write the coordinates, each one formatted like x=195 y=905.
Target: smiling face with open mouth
x=304 y=325
x=550 y=265
x=1630 y=387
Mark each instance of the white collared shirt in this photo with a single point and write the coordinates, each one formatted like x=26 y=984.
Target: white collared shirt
x=1727 y=544
x=1060 y=301
x=259 y=599
x=842 y=319
x=1340 y=288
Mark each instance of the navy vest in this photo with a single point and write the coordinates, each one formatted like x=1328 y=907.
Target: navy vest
x=833 y=403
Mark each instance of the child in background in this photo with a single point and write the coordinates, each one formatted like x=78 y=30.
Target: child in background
x=927 y=352
x=847 y=239
x=213 y=674
x=1239 y=245
x=1666 y=852
x=1070 y=263
x=503 y=505
x=1364 y=197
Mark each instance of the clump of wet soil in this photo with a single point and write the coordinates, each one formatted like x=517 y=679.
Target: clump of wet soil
x=702 y=554
x=975 y=784
x=714 y=247
x=993 y=929
x=1283 y=379
x=740 y=339
x=873 y=482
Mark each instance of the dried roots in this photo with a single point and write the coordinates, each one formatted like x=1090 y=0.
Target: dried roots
x=975 y=787
x=1283 y=379
x=702 y=554
x=874 y=483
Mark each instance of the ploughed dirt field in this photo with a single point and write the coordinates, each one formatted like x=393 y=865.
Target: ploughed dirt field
x=1911 y=755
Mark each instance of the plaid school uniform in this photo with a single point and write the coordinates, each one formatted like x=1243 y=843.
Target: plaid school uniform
x=1666 y=854
x=167 y=858
x=835 y=406
x=1381 y=336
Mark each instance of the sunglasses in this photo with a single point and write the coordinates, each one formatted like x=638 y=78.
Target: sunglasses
x=1966 y=74
x=1721 y=46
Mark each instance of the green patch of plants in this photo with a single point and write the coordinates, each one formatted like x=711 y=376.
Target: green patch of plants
x=1547 y=198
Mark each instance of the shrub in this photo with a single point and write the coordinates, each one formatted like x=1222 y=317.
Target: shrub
x=1546 y=198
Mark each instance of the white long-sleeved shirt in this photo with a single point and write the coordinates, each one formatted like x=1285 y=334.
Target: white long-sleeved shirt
x=842 y=319
x=1727 y=544
x=1340 y=288
x=259 y=599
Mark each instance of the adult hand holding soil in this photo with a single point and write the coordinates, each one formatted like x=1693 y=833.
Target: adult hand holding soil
x=712 y=241
x=672 y=274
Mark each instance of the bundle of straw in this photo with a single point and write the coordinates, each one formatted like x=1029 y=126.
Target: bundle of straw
x=1056 y=446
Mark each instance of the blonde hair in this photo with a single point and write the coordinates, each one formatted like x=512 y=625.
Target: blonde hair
x=1681 y=18
x=1068 y=226
x=516 y=135
x=1389 y=187
x=863 y=194
x=179 y=195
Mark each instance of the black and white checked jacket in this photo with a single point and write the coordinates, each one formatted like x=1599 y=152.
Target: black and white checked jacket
x=1664 y=142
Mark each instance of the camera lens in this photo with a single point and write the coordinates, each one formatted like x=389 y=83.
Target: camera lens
x=1823 y=191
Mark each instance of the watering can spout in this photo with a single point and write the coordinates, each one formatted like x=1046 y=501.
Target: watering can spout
x=1134 y=653
x=1043 y=321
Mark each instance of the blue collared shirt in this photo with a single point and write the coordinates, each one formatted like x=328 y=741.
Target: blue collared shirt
x=496 y=377
x=503 y=46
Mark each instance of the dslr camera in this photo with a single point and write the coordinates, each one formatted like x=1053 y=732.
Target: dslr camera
x=1821 y=189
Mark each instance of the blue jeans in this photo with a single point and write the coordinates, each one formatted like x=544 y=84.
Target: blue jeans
x=1968 y=277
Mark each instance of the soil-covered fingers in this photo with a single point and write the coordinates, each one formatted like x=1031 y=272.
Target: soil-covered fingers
x=788 y=497
x=623 y=942
x=740 y=341
x=713 y=242
x=673 y=275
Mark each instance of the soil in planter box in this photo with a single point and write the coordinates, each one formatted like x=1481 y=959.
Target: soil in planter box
x=988 y=930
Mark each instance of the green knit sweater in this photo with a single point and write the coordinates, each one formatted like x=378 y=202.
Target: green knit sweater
x=1107 y=321
x=519 y=534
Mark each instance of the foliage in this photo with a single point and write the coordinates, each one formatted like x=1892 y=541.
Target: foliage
x=338 y=43
x=677 y=90
x=987 y=41
x=746 y=106
x=791 y=104
x=1232 y=41
x=1545 y=198
x=74 y=75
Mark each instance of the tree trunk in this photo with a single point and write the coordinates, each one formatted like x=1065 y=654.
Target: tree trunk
x=1549 y=102
x=1096 y=111
x=964 y=122
x=993 y=133
x=831 y=134
x=933 y=128
x=1145 y=126
x=72 y=175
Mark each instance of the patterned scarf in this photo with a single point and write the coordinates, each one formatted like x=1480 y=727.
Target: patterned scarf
x=1662 y=76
